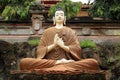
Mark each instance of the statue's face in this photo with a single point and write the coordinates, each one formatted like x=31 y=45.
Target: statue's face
x=59 y=17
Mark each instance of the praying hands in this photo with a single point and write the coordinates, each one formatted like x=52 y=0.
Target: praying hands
x=58 y=41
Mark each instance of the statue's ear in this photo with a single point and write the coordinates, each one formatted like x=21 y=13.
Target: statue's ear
x=65 y=20
x=53 y=20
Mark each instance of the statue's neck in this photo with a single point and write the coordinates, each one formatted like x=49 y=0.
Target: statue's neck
x=59 y=26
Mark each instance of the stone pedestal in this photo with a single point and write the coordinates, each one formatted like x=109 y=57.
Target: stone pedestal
x=82 y=75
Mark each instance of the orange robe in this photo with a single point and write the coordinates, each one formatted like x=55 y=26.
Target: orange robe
x=47 y=61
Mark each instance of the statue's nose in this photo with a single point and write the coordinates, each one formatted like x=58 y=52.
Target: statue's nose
x=59 y=17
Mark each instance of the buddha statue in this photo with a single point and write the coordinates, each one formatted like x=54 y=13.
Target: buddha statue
x=59 y=50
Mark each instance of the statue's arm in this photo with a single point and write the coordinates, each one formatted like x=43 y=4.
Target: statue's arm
x=42 y=47
x=50 y=47
x=66 y=48
x=74 y=46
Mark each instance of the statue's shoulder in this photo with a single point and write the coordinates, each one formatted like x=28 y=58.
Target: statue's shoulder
x=49 y=29
x=69 y=29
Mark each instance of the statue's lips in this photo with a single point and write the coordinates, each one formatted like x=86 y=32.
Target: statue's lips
x=59 y=18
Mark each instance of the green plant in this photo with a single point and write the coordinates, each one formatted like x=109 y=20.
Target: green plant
x=88 y=44
x=33 y=42
x=114 y=60
x=106 y=9
x=15 y=9
x=114 y=12
x=71 y=8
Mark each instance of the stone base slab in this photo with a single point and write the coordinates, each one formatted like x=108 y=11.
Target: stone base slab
x=82 y=75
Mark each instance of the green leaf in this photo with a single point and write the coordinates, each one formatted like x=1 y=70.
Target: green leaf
x=87 y=43
x=105 y=9
x=15 y=8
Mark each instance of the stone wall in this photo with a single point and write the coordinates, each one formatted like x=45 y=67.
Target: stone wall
x=20 y=32
x=107 y=56
x=14 y=40
x=89 y=27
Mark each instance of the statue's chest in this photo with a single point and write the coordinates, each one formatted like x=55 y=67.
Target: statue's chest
x=56 y=54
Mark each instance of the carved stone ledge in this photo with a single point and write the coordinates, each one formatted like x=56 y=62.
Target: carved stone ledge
x=78 y=75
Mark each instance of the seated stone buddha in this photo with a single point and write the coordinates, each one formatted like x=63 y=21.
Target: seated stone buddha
x=59 y=50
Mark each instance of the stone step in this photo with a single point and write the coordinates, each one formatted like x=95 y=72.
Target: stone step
x=64 y=75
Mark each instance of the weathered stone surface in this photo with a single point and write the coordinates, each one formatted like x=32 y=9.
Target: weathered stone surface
x=58 y=77
x=96 y=27
x=23 y=50
x=87 y=53
x=14 y=38
x=115 y=73
x=15 y=31
x=107 y=55
x=80 y=75
x=7 y=59
x=109 y=52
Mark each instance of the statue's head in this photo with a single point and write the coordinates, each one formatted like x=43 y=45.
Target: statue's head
x=59 y=16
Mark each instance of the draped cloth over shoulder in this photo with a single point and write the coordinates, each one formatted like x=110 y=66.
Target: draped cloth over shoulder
x=46 y=60
x=70 y=39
